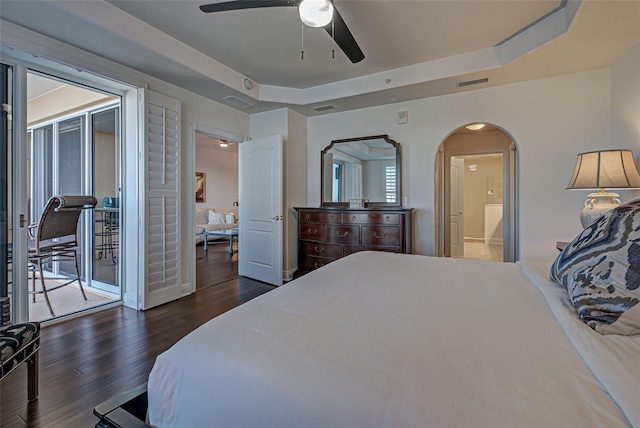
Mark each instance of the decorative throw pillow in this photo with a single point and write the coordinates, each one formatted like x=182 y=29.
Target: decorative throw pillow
x=230 y=218
x=601 y=271
x=216 y=218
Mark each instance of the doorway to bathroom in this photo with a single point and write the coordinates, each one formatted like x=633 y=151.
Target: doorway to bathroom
x=476 y=195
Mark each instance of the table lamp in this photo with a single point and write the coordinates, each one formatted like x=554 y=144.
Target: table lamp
x=604 y=169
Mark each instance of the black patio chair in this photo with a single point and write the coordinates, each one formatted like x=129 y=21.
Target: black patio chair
x=55 y=238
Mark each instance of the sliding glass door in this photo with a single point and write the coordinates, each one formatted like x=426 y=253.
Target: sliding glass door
x=57 y=168
x=79 y=155
x=105 y=154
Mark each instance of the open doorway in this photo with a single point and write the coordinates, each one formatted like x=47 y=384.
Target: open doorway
x=73 y=148
x=216 y=209
x=476 y=195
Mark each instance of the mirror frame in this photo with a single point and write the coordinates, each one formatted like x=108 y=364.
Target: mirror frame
x=371 y=204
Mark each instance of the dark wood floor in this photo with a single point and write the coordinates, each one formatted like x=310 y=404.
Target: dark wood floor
x=226 y=265
x=87 y=360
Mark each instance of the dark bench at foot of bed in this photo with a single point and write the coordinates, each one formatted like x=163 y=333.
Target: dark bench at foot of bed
x=125 y=410
x=20 y=343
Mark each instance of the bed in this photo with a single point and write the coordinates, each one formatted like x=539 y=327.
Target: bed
x=379 y=340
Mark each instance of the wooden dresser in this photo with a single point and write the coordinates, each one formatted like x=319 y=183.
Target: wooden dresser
x=327 y=234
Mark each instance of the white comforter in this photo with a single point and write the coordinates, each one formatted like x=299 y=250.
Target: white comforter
x=381 y=340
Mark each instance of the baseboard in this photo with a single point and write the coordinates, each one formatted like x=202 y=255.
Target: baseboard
x=493 y=241
x=480 y=240
x=130 y=300
x=186 y=289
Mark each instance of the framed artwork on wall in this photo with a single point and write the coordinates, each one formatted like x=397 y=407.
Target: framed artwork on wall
x=201 y=191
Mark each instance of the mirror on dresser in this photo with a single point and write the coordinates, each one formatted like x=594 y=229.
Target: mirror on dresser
x=361 y=169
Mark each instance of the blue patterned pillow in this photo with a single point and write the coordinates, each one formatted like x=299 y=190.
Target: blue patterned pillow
x=601 y=271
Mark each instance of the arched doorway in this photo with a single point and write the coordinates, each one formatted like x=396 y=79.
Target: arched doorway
x=478 y=167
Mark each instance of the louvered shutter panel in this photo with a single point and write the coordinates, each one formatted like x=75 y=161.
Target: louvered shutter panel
x=162 y=156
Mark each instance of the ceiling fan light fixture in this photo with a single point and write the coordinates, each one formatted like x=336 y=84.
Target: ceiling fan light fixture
x=315 y=13
x=475 y=126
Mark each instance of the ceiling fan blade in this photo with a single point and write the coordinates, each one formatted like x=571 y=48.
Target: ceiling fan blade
x=344 y=38
x=245 y=4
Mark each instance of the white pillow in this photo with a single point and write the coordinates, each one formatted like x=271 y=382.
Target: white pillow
x=230 y=218
x=216 y=218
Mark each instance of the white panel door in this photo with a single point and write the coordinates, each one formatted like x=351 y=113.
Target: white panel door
x=457 y=207
x=260 y=240
x=162 y=200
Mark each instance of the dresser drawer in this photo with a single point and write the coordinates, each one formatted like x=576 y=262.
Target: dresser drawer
x=307 y=263
x=313 y=231
x=320 y=250
x=388 y=236
x=371 y=218
x=320 y=217
x=339 y=234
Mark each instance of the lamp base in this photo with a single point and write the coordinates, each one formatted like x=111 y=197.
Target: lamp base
x=596 y=205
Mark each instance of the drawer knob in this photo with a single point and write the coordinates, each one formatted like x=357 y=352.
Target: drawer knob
x=307 y=217
x=353 y=217
x=318 y=250
x=312 y=232
x=316 y=265
x=343 y=235
x=331 y=217
x=387 y=218
x=375 y=235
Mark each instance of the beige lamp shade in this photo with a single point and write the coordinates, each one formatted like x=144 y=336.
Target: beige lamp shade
x=607 y=169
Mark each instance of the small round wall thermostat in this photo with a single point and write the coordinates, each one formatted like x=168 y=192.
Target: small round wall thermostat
x=247 y=83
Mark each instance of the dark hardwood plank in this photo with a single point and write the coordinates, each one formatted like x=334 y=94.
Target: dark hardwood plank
x=87 y=360
x=215 y=265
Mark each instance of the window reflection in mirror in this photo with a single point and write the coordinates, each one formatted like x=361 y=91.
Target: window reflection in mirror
x=361 y=168
x=338 y=179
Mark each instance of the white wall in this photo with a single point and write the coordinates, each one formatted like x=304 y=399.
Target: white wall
x=625 y=98
x=476 y=188
x=550 y=120
x=221 y=185
x=625 y=102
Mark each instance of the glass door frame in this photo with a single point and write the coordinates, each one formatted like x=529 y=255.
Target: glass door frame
x=19 y=299
x=114 y=289
x=6 y=179
x=87 y=223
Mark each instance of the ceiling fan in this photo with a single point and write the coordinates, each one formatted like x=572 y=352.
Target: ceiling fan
x=314 y=13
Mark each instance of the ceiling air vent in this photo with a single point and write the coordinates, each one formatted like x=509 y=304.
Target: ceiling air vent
x=324 y=108
x=238 y=102
x=472 y=82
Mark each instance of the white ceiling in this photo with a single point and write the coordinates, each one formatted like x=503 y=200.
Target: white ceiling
x=38 y=86
x=413 y=49
x=264 y=44
x=209 y=142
